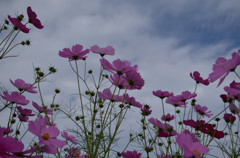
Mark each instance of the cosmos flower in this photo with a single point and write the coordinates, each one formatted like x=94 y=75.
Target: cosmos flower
x=74 y=153
x=109 y=50
x=18 y=24
x=134 y=80
x=202 y=110
x=15 y=97
x=131 y=101
x=234 y=109
x=222 y=67
x=21 y=85
x=146 y=110
x=24 y=113
x=162 y=94
x=47 y=135
x=76 y=53
x=118 y=81
x=69 y=137
x=131 y=154
x=190 y=145
x=9 y=145
x=196 y=76
x=33 y=18
x=107 y=94
x=118 y=66
x=167 y=117
x=41 y=109
x=229 y=118
x=233 y=90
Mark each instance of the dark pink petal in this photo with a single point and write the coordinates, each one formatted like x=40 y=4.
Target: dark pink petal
x=18 y=24
x=33 y=18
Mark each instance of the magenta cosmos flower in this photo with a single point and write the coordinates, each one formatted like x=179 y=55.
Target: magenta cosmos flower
x=107 y=94
x=18 y=24
x=21 y=85
x=229 y=118
x=47 y=135
x=109 y=50
x=9 y=145
x=118 y=66
x=196 y=76
x=69 y=137
x=76 y=53
x=167 y=117
x=202 y=110
x=131 y=101
x=33 y=18
x=234 y=109
x=118 y=81
x=15 y=97
x=41 y=109
x=162 y=94
x=233 y=90
x=222 y=67
x=131 y=154
x=24 y=113
x=190 y=145
x=164 y=130
x=134 y=80
x=146 y=110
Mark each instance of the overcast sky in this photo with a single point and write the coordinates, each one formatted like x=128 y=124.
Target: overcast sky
x=167 y=39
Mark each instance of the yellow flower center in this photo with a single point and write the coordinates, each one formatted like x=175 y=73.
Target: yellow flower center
x=45 y=136
x=77 y=155
x=194 y=150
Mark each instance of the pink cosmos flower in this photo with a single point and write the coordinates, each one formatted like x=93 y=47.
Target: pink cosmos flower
x=47 y=135
x=18 y=24
x=191 y=146
x=162 y=94
x=77 y=53
x=222 y=67
x=109 y=50
x=204 y=128
x=233 y=90
x=229 y=118
x=134 y=80
x=202 y=110
x=69 y=137
x=234 y=109
x=74 y=153
x=146 y=110
x=33 y=18
x=224 y=98
x=131 y=154
x=180 y=100
x=196 y=76
x=9 y=145
x=164 y=130
x=118 y=81
x=107 y=94
x=41 y=109
x=24 y=113
x=131 y=101
x=118 y=66
x=167 y=117
x=21 y=85
x=15 y=97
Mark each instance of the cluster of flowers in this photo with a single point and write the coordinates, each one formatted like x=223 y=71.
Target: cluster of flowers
x=193 y=137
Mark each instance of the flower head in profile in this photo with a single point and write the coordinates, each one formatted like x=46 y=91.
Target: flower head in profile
x=42 y=109
x=233 y=90
x=134 y=79
x=107 y=94
x=131 y=101
x=118 y=66
x=21 y=85
x=33 y=18
x=162 y=94
x=229 y=118
x=146 y=110
x=74 y=153
x=167 y=117
x=76 y=53
x=190 y=145
x=222 y=67
x=18 y=24
x=202 y=110
x=47 y=135
x=24 y=113
x=15 y=97
x=234 y=109
x=196 y=76
x=69 y=137
x=109 y=50
x=131 y=154
x=9 y=145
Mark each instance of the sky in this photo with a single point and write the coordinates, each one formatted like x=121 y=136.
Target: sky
x=166 y=39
